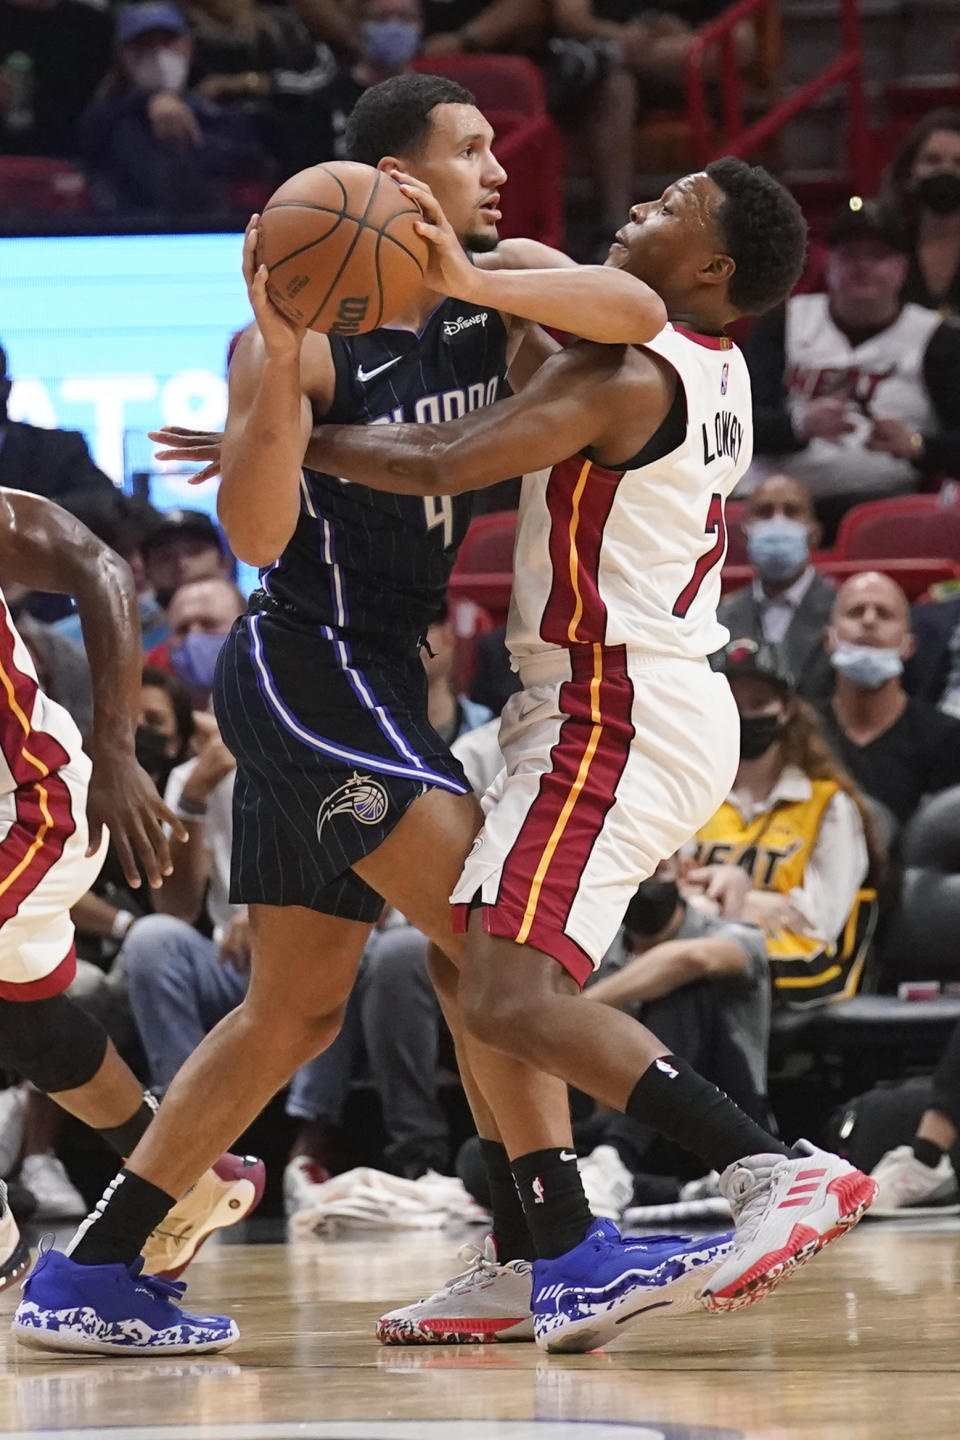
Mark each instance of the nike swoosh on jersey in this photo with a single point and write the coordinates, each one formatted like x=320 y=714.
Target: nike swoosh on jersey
x=364 y=375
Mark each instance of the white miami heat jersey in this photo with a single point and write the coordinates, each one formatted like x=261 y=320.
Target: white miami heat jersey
x=880 y=378
x=633 y=558
x=37 y=736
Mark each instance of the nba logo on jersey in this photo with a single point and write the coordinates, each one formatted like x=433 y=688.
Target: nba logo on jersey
x=724 y=377
x=666 y=1069
x=537 y=1188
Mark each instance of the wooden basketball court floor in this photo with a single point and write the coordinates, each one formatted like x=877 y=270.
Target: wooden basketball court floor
x=863 y=1344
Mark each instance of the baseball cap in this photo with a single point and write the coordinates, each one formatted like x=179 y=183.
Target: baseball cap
x=866 y=219
x=182 y=522
x=151 y=15
x=749 y=659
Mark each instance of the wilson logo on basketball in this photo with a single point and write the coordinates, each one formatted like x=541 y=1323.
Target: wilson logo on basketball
x=351 y=313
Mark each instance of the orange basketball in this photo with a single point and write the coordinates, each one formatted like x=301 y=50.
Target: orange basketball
x=339 y=243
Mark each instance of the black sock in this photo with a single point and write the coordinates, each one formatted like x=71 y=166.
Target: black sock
x=551 y=1192
x=511 y=1232
x=116 y=1231
x=123 y=1139
x=928 y=1152
x=687 y=1109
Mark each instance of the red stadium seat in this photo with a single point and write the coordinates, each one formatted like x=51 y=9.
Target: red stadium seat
x=33 y=183
x=488 y=545
x=499 y=82
x=904 y=526
x=470 y=621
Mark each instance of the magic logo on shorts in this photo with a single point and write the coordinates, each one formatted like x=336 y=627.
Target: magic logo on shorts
x=362 y=797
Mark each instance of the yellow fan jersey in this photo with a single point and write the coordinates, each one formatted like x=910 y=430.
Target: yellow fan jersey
x=774 y=848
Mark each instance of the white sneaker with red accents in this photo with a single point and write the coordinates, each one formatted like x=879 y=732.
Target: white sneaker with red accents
x=487 y=1301
x=786 y=1211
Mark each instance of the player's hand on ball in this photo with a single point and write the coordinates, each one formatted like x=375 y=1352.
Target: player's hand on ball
x=282 y=338
x=448 y=268
x=124 y=798
x=180 y=444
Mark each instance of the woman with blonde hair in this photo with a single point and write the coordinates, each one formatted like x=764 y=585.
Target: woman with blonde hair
x=793 y=848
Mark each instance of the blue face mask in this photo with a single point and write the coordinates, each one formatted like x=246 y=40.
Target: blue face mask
x=390 y=44
x=778 y=547
x=866 y=666
x=195 y=659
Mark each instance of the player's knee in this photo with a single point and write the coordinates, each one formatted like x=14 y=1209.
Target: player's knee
x=491 y=1013
x=52 y=1043
x=299 y=1031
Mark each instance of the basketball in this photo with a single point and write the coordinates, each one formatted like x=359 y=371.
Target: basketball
x=339 y=243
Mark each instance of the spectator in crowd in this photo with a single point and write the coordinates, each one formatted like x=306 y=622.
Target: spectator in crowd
x=655 y=39
x=493 y=680
x=123 y=522
x=702 y=984
x=588 y=82
x=856 y=388
x=788 y=605
x=151 y=143
x=185 y=546
x=53 y=54
x=450 y=714
x=52 y=463
x=796 y=823
x=386 y=37
x=897 y=748
x=933 y=670
x=922 y=186
x=920 y=1175
x=201 y=613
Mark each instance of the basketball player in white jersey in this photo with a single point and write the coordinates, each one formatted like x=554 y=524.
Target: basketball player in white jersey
x=622 y=741
x=56 y=806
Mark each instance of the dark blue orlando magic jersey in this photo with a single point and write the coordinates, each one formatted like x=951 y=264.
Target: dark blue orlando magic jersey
x=363 y=561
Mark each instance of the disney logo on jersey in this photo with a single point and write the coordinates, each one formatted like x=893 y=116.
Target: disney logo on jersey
x=362 y=797
x=463 y=322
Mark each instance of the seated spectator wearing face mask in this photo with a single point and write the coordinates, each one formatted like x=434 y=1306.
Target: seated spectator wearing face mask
x=796 y=823
x=789 y=604
x=897 y=748
x=151 y=144
x=201 y=613
x=184 y=546
x=922 y=186
x=856 y=387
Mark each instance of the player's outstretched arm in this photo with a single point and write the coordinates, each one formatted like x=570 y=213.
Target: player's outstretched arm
x=606 y=398
x=45 y=547
x=595 y=302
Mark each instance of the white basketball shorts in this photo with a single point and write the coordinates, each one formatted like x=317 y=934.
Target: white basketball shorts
x=613 y=760
x=44 y=870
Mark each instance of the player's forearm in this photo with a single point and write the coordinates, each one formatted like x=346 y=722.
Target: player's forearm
x=401 y=459
x=595 y=302
x=110 y=620
x=258 y=503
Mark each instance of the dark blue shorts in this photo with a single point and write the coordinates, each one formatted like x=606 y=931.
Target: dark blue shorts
x=333 y=745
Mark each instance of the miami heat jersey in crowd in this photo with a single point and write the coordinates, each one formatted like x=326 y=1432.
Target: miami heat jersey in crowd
x=623 y=741
x=633 y=557
x=44 y=870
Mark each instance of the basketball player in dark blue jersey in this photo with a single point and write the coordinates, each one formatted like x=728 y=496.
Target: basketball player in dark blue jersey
x=345 y=798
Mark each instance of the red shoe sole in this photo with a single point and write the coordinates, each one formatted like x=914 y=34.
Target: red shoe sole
x=451 y=1332
x=854 y=1192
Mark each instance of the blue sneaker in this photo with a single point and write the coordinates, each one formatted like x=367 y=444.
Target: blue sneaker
x=584 y=1299
x=111 y=1310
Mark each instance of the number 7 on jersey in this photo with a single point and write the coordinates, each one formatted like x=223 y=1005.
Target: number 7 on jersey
x=716 y=525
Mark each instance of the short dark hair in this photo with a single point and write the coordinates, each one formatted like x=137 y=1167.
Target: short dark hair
x=393 y=118
x=764 y=232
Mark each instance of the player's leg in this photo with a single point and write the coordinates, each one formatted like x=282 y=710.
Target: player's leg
x=612 y=794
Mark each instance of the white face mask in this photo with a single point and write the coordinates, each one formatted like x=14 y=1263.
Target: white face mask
x=164 y=69
x=866 y=666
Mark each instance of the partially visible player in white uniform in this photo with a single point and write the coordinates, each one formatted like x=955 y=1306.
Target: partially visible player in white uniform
x=622 y=741
x=56 y=809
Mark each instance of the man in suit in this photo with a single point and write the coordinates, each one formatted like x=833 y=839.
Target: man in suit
x=788 y=604
x=52 y=463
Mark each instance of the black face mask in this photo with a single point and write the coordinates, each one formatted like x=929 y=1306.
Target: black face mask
x=652 y=907
x=757 y=734
x=151 y=752
x=940 y=192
